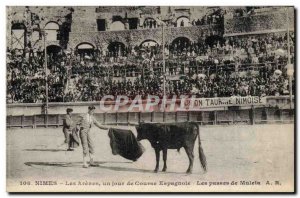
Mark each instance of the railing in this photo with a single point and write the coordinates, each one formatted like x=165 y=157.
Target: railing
x=216 y=117
x=134 y=71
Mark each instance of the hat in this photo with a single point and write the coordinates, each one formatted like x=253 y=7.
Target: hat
x=91 y=108
x=69 y=110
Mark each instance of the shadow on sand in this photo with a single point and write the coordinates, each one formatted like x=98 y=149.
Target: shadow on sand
x=132 y=169
x=98 y=164
x=65 y=164
x=50 y=150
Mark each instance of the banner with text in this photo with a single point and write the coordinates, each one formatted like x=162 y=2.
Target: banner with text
x=198 y=103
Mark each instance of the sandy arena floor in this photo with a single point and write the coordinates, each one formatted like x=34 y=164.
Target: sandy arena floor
x=234 y=153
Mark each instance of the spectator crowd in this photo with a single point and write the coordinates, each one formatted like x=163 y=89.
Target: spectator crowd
x=213 y=66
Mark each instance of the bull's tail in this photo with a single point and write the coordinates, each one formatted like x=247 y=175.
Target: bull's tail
x=201 y=152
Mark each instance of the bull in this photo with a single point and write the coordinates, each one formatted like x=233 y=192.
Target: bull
x=166 y=136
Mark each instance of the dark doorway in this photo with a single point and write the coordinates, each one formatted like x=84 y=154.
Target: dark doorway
x=214 y=40
x=133 y=23
x=101 y=25
x=53 y=49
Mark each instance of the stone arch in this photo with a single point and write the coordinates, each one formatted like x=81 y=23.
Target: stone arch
x=116 y=48
x=17 y=25
x=85 y=48
x=18 y=36
x=116 y=26
x=182 y=21
x=52 y=31
x=150 y=41
x=51 y=25
x=150 y=22
x=180 y=43
x=180 y=39
x=171 y=37
x=53 y=49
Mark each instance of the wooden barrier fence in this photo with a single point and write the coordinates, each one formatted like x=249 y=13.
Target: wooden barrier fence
x=216 y=117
